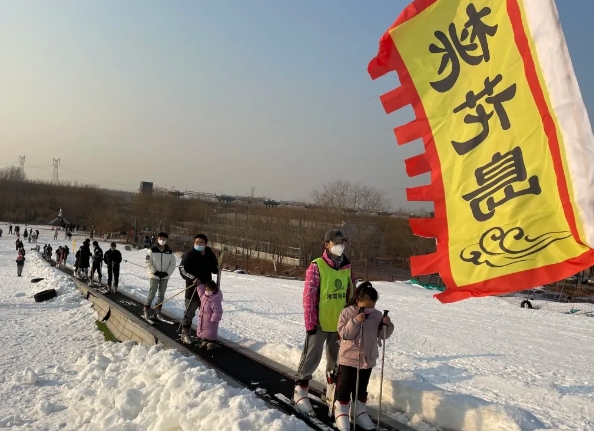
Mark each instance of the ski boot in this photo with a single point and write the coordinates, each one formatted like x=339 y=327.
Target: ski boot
x=341 y=416
x=185 y=336
x=301 y=400
x=158 y=314
x=213 y=346
x=362 y=419
x=115 y=288
x=146 y=313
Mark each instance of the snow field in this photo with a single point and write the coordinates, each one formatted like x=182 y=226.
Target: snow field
x=481 y=364
x=58 y=373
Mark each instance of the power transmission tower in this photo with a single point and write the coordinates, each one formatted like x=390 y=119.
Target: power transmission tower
x=22 y=163
x=55 y=177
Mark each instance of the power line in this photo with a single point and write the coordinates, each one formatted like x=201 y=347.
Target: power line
x=95 y=178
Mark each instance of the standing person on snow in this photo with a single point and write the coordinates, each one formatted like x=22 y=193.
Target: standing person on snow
x=66 y=253
x=10 y=229
x=97 y=261
x=85 y=258
x=197 y=267
x=19 y=243
x=56 y=234
x=112 y=259
x=26 y=234
x=328 y=286
x=211 y=312
x=20 y=261
x=160 y=262
x=358 y=351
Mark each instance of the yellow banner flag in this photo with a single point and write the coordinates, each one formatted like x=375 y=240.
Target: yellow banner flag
x=507 y=141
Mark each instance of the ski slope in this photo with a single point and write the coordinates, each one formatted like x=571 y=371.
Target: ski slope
x=58 y=373
x=478 y=365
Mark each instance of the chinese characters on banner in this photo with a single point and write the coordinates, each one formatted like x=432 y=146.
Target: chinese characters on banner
x=507 y=140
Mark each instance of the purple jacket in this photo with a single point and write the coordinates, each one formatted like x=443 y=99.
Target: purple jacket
x=211 y=311
x=349 y=330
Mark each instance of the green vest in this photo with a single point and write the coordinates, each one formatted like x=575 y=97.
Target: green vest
x=333 y=294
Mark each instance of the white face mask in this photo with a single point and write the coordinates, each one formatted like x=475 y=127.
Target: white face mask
x=337 y=249
x=162 y=241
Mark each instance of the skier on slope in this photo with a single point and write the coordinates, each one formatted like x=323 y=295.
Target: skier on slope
x=197 y=267
x=160 y=262
x=112 y=259
x=211 y=312
x=85 y=258
x=97 y=261
x=65 y=253
x=358 y=355
x=10 y=229
x=20 y=261
x=328 y=286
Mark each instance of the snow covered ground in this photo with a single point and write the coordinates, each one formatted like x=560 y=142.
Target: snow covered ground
x=58 y=373
x=482 y=364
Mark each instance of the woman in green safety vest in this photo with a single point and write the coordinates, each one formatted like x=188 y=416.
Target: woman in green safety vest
x=328 y=286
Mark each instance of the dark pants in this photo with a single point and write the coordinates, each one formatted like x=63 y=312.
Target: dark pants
x=192 y=304
x=113 y=272
x=20 y=269
x=96 y=267
x=347 y=383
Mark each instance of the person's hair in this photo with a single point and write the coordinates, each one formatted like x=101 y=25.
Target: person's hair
x=363 y=290
x=212 y=285
x=113 y=244
x=162 y=235
x=95 y=243
x=201 y=236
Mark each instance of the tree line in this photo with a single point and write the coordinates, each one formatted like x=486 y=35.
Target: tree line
x=379 y=244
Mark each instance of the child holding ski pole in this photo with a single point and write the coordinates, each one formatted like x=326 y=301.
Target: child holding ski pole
x=211 y=312
x=359 y=329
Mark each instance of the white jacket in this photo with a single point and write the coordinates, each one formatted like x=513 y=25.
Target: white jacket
x=160 y=261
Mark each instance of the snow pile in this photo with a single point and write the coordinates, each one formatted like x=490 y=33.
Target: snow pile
x=423 y=402
x=27 y=377
x=128 y=387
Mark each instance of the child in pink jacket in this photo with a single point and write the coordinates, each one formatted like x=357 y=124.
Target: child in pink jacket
x=358 y=349
x=211 y=311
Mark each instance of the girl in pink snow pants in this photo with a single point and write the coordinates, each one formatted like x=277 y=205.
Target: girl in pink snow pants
x=211 y=311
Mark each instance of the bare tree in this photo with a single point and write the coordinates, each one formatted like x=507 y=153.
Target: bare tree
x=343 y=195
x=12 y=173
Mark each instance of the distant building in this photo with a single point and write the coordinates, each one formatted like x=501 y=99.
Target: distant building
x=146 y=188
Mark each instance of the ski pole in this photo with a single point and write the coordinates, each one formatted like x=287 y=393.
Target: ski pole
x=356 y=394
x=186 y=310
x=379 y=412
x=173 y=296
x=132 y=263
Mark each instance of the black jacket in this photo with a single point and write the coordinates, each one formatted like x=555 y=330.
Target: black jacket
x=112 y=257
x=85 y=256
x=97 y=255
x=195 y=266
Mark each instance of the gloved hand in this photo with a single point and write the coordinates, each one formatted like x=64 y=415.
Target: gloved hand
x=312 y=331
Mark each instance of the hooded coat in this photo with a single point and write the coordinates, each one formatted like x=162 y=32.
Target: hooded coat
x=211 y=312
